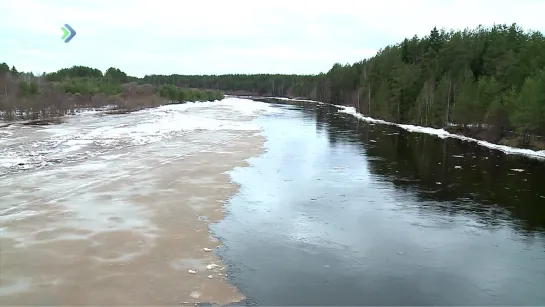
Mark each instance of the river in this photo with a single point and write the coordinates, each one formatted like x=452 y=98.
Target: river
x=330 y=210
x=342 y=212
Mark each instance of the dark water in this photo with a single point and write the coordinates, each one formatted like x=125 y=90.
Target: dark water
x=340 y=212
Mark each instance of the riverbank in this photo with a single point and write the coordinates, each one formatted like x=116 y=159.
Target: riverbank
x=506 y=145
x=50 y=100
x=128 y=227
x=104 y=110
x=510 y=139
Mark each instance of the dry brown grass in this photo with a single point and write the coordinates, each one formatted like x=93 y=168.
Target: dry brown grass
x=47 y=121
x=535 y=143
x=133 y=104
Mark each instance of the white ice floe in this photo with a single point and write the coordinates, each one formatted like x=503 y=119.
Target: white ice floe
x=90 y=133
x=195 y=294
x=11 y=161
x=293 y=99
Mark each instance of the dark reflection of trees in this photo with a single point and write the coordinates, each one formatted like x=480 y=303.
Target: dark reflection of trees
x=338 y=128
x=481 y=183
x=322 y=118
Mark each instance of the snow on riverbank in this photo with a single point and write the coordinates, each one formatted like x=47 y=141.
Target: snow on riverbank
x=441 y=133
x=445 y=134
x=91 y=133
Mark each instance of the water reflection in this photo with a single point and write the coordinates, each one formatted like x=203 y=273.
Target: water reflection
x=341 y=212
x=493 y=186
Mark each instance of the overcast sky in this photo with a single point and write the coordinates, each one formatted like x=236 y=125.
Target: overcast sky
x=220 y=36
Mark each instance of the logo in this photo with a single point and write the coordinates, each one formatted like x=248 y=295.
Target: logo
x=68 y=33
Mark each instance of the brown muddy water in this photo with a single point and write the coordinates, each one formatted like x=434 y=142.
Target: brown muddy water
x=115 y=210
x=327 y=210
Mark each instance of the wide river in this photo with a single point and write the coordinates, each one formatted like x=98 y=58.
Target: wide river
x=342 y=212
x=331 y=210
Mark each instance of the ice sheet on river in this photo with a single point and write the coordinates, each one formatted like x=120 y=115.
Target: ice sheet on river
x=92 y=133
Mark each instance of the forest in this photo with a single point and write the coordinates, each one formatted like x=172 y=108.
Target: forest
x=487 y=82
x=25 y=96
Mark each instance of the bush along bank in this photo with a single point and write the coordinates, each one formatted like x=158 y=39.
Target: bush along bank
x=24 y=96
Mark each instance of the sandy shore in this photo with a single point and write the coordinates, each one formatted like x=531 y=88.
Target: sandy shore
x=124 y=229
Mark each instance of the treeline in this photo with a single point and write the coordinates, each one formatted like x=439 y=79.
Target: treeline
x=26 y=96
x=493 y=78
x=489 y=79
x=260 y=84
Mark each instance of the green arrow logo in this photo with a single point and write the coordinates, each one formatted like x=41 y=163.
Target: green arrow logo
x=65 y=32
